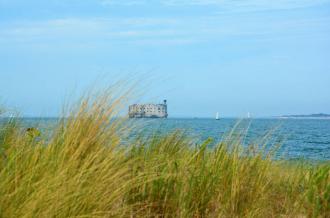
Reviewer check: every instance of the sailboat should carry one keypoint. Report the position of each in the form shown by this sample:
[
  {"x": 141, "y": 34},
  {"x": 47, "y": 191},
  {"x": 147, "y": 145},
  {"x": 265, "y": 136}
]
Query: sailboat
[
  {"x": 217, "y": 116},
  {"x": 248, "y": 115}
]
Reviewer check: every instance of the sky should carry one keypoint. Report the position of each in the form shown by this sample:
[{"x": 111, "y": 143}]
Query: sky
[{"x": 268, "y": 58}]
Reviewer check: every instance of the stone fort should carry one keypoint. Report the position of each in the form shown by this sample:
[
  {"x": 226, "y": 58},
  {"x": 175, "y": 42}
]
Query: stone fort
[{"x": 148, "y": 110}]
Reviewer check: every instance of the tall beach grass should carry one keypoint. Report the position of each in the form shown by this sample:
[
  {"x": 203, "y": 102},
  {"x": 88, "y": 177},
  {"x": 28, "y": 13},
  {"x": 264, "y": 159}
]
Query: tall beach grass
[{"x": 85, "y": 170}]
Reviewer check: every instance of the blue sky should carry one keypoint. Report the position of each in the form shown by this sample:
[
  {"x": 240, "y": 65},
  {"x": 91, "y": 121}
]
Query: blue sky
[{"x": 265, "y": 57}]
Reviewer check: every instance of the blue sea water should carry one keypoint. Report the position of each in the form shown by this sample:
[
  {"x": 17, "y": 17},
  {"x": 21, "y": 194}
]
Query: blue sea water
[{"x": 299, "y": 138}]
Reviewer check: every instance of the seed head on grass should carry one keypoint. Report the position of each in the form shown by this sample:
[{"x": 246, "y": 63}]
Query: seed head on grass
[{"x": 88, "y": 167}]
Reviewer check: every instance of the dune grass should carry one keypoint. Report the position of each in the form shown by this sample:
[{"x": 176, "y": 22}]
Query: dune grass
[{"x": 85, "y": 170}]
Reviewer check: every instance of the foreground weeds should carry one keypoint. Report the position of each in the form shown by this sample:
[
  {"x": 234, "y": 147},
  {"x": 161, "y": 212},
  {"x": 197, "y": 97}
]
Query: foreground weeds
[{"x": 85, "y": 170}]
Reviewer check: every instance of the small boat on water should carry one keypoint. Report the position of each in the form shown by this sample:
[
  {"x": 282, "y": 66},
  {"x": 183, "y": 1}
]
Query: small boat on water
[{"x": 217, "y": 116}]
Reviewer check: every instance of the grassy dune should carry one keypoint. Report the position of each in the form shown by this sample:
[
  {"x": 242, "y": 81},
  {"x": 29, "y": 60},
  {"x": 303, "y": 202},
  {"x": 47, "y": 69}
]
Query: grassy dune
[{"x": 84, "y": 170}]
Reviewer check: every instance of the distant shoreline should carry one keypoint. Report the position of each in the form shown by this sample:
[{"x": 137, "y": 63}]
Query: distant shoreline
[
  {"x": 294, "y": 117},
  {"x": 304, "y": 118},
  {"x": 309, "y": 116}
]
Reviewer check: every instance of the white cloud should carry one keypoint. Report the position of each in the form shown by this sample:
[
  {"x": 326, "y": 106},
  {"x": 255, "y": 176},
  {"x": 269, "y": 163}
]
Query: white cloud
[
  {"x": 122, "y": 2},
  {"x": 80, "y": 30},
  {"x": 175, "y": 30},
  {"x": 231, "y": 5}
]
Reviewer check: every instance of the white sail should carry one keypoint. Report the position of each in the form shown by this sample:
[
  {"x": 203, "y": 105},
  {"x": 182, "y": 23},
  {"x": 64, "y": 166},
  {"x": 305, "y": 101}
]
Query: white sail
[
  {"x": 248, "y": 115},
  {"x": 217, "y": 116}
]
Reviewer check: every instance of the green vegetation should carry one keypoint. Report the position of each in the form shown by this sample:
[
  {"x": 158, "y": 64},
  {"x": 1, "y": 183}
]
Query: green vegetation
[{"x": 84, "y": 170}]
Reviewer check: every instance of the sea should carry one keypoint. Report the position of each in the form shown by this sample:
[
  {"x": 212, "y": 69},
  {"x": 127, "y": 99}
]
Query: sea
[{"x": 307, "y": 139}]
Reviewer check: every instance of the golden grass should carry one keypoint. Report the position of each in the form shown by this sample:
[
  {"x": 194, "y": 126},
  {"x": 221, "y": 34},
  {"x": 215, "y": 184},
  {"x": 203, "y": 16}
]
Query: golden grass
[{"x": 84, "y": 170}]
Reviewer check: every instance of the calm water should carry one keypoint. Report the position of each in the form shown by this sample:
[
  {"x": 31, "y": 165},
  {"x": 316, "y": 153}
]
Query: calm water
[{"x": 300, "y": 138}]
